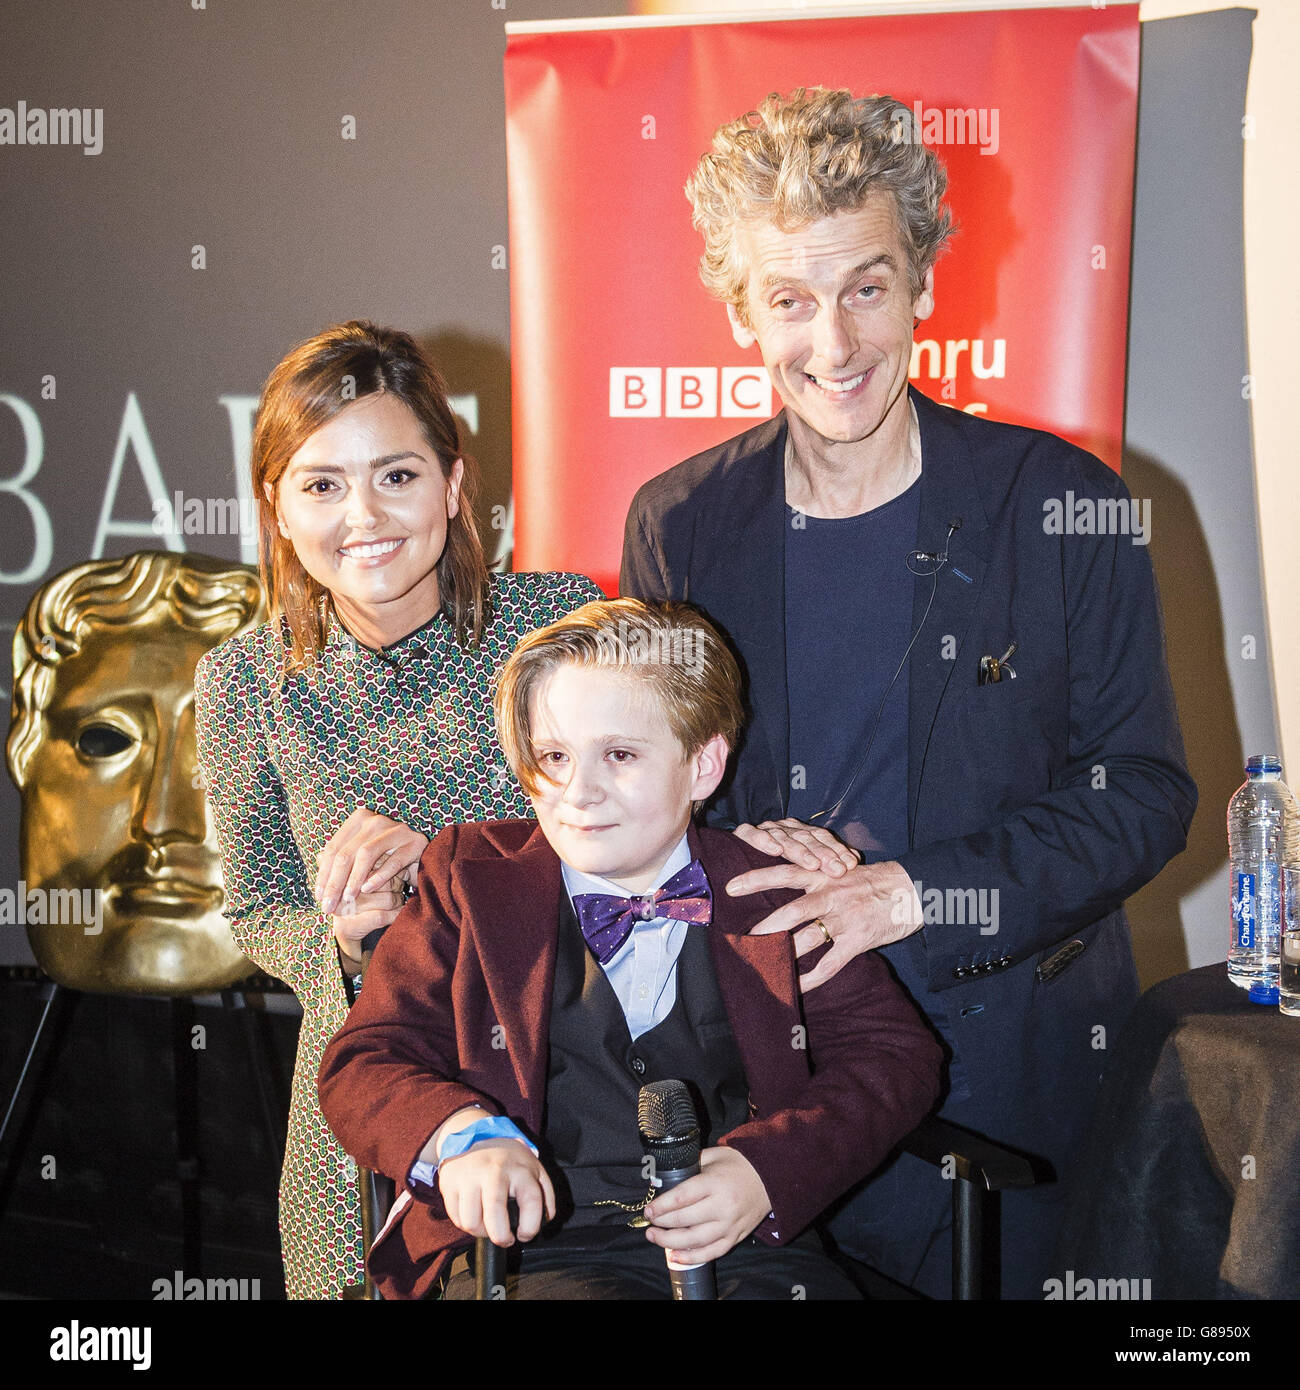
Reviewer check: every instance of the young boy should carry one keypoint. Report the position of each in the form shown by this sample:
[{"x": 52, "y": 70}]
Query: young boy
[{"x": 544, "y": 973}]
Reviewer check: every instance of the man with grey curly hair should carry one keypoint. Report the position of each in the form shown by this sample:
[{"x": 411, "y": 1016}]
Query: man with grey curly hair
[
  {"x": 822, "y": 195},
  {"x": 974, "y": 703},
  {"x": 796, "y": 161}
]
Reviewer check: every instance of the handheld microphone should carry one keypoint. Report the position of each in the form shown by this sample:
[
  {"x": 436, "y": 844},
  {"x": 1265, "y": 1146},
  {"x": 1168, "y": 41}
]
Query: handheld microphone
[{"x": 670, "y": 1132}]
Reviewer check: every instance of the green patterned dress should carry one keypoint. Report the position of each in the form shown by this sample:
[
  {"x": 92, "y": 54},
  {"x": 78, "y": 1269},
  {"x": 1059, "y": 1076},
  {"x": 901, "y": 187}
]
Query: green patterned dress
[{"x": 407, "y": 732}]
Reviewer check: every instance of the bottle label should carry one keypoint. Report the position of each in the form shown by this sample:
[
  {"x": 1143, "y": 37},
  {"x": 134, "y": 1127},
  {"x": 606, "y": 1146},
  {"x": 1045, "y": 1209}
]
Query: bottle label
[
  {"x": 1245, "y": 911},
  {"x": 1255, "y": 908}
]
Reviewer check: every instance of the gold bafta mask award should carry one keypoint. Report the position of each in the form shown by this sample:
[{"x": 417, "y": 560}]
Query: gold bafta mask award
[{"x": 121, "y": 868}]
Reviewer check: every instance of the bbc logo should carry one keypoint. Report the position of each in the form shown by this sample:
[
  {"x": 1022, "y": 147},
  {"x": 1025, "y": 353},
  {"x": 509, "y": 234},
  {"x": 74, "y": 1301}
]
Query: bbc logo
[{"x": 651, "y": 392}]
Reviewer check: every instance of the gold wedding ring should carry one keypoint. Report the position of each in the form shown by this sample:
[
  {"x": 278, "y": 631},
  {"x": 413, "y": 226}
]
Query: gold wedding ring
[{"x": 825, "y": 932}]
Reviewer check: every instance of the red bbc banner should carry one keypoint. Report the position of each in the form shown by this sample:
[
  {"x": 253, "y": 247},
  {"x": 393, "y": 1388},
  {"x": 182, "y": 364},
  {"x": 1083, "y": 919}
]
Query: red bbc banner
[{"x": 623, "y": 366}]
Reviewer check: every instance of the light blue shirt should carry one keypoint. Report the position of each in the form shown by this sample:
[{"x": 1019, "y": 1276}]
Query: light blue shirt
[{"x": 643, "y": 971}]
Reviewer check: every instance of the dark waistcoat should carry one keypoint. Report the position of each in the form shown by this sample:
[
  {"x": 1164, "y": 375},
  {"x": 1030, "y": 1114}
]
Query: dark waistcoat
[{"x": 595, "y": 1072}]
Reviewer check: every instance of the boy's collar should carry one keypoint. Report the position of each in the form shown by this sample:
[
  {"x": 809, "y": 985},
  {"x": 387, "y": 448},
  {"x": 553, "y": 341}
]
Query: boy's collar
[
  {"x": 516, "y": 877},
  {"x": 578, "y": 882}
]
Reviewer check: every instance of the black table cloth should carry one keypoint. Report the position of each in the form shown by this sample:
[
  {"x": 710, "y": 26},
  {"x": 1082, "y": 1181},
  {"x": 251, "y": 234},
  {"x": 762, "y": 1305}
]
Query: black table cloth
[{"x": 1191, "y": 1177}]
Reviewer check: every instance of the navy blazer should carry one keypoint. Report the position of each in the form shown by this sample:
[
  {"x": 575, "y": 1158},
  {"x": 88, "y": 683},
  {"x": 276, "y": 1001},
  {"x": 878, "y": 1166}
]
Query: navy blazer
[{"x": 1064, "y": 790}]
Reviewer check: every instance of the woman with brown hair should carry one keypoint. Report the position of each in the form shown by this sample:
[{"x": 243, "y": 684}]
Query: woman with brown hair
[{"x": 339, "y": 737}]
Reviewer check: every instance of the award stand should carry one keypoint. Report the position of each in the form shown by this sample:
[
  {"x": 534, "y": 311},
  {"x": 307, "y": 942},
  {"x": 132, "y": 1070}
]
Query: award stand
[{"x": 49, "y": 1041}]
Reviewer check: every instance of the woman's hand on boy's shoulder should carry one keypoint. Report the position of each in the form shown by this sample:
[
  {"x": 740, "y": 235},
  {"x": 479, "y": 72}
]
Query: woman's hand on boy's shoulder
[
  {"x": 363, "y": 853},
  {"x": 358, "y": 917}
]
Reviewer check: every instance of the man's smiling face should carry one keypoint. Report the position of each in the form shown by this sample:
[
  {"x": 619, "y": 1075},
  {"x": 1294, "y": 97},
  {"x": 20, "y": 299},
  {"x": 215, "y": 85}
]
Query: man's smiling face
[{"x": 831, "y": 309}]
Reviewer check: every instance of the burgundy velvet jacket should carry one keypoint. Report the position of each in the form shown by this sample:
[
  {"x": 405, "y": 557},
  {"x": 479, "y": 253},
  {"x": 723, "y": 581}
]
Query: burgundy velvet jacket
[{"x": 455, "y": 1011}]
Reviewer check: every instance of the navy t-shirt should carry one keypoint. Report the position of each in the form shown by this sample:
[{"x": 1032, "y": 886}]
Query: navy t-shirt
[{"x": 848, "y": 620}]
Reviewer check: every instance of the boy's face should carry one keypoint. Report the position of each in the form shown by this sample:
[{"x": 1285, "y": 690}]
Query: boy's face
[{"x": 617, "y": 785}]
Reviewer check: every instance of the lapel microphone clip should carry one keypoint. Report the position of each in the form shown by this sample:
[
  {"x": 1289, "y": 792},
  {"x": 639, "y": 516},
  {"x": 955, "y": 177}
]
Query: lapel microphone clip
[{"x": 930, "y": 557}]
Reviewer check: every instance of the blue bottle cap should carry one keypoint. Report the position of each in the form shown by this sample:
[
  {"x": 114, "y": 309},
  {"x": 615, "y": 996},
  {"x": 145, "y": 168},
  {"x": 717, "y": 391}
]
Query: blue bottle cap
[
  {"x": 1263, "y": 762},
  {"x": 1260, "y": 993}
]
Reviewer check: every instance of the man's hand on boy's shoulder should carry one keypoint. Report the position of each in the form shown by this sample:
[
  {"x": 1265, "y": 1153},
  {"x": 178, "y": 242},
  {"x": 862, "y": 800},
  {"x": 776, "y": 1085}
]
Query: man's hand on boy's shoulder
[
  {"x": 850, "y": 907},
  {"x": 709, "y": 1214},
  {"x": 805, "y": 846}
]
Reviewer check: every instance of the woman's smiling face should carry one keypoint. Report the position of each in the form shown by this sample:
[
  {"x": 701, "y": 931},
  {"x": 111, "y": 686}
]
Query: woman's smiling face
[{"x": 365, "y": 504}]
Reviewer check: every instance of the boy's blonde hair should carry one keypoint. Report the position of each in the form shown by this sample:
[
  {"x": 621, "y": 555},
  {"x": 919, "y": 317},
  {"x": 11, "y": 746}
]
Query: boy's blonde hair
[{"x": 670, "y": 648}]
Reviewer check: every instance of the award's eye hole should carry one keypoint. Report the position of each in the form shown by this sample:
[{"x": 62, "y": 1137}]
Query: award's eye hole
[{"x": 103, "y": 741}]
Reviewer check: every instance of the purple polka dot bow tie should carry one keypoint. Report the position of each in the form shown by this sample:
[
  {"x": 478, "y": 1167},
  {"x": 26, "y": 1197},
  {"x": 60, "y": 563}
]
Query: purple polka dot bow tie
[{"x": 607, "y": 920}]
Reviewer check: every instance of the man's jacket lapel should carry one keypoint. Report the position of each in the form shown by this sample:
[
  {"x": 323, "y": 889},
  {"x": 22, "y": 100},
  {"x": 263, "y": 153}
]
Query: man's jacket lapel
[{"x": 745, "y": 579}]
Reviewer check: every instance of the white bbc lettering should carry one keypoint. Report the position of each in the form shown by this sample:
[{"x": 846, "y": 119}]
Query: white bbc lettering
[
  {"x": 636, "y": 391},
  {"x": 677, "y": 392},
  {"x": 691, "y": 391},
  {"x": 746, "y": 392}
]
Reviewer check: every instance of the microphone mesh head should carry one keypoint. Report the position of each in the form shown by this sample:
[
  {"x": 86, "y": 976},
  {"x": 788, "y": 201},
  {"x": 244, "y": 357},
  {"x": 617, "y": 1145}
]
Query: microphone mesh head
[{"x": 665, "y": 1110}]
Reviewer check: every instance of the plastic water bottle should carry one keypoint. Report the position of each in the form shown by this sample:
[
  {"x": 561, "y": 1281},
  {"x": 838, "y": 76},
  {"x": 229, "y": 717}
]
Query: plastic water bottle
[{"x": 1263, "y": 835}]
